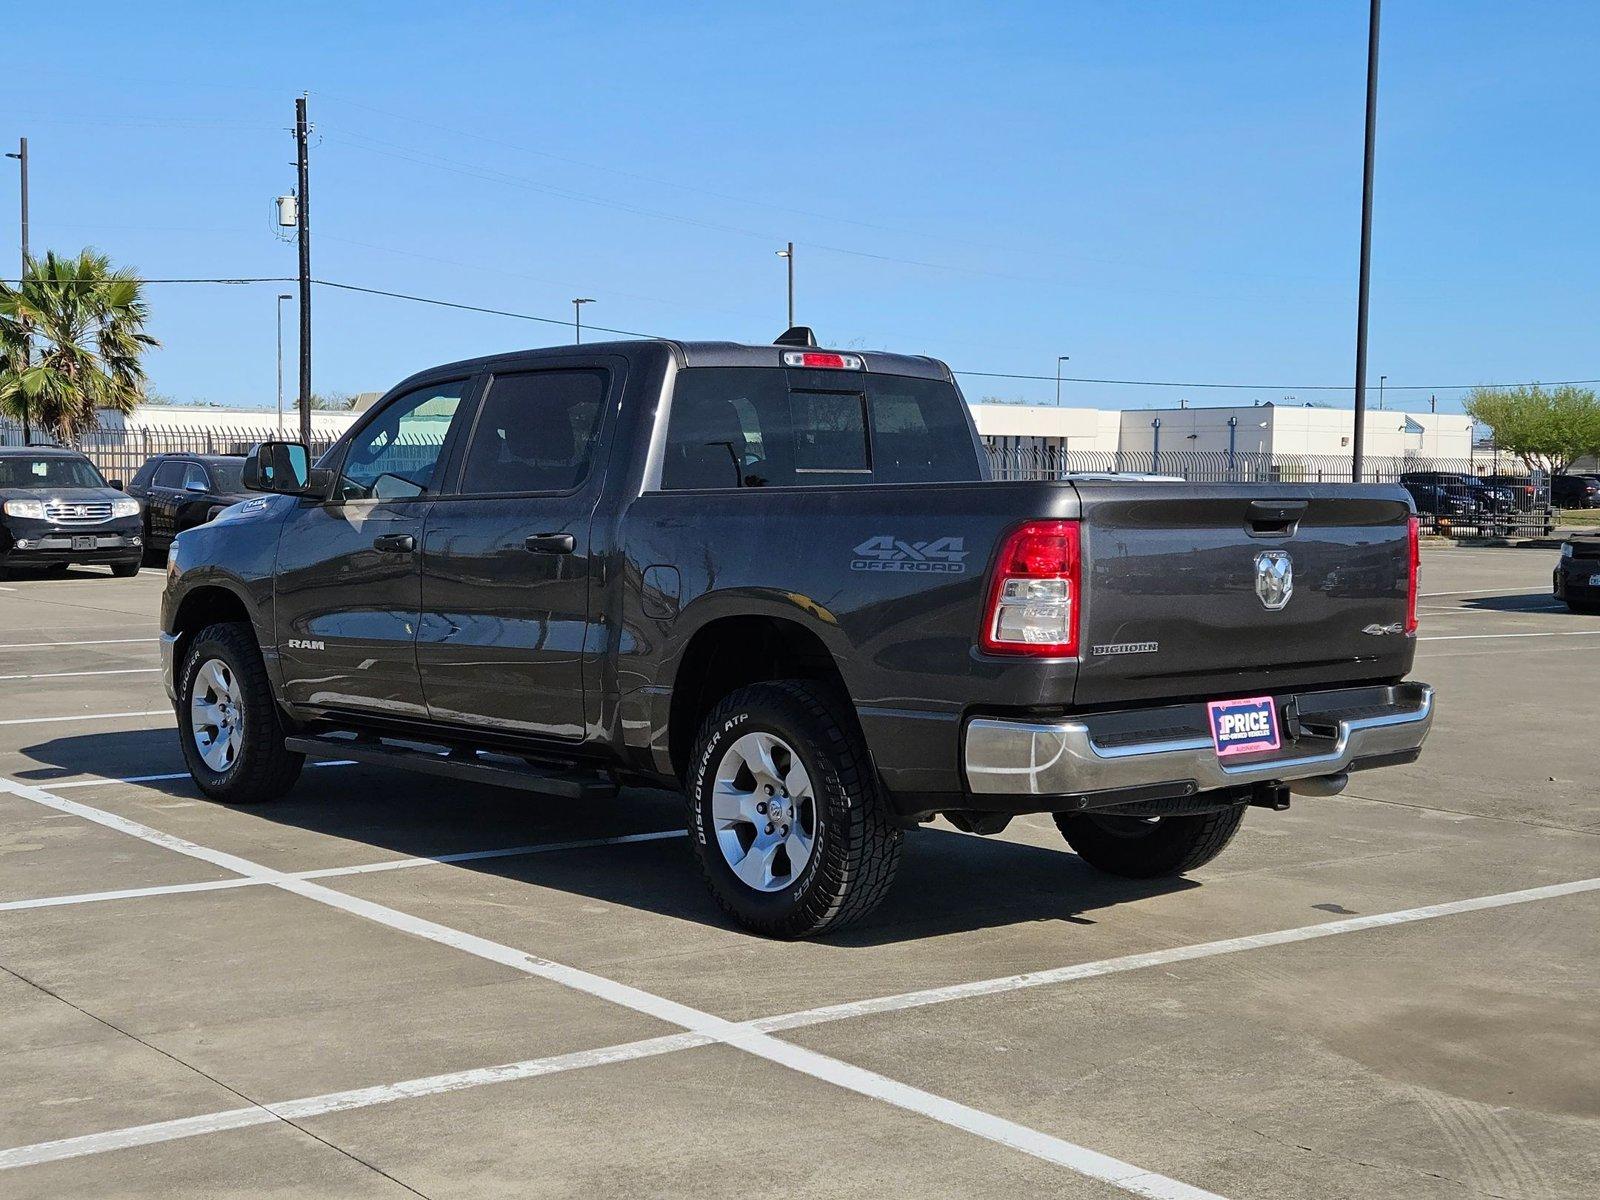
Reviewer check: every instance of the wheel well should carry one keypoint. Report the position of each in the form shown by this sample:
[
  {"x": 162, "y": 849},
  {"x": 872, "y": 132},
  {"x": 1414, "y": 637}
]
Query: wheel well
[
  {"x": 733, "y": 652},
  {"x": 206, "y": 606}
]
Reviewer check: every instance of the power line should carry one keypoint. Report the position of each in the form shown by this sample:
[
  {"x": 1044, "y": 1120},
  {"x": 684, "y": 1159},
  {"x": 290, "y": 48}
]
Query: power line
[{"x": 1162, "y": 383}]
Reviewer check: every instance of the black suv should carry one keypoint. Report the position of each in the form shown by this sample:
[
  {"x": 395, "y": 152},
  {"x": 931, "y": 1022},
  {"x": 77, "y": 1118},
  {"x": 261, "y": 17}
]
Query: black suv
[
  {"x": 1575, "y": 491},
  {"x": 56, "y": 509},
  {"x": 181, "y": 491}
]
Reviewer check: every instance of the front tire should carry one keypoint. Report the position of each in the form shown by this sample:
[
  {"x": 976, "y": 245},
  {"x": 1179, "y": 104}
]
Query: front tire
[
  {"x": 791, "y": 831},
  {"x": 228, "y": 720},
  {"x": 1150, "y": 847}
]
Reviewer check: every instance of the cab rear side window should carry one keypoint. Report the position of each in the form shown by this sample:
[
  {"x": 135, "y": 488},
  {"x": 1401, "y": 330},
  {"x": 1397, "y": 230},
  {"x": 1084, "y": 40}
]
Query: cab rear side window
[
  {"x": 535, "y": 433},
  {"x": 733, "y": 427}
]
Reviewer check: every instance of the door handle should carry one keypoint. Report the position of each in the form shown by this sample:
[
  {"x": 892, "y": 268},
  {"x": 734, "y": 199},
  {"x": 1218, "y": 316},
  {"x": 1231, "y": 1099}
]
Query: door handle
[
  {"x": 395, "y": 543},
  {"x": 550, "y": 543}
]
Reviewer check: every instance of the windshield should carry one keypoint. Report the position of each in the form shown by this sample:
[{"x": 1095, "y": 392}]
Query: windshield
[
  {"x": 49, "y": 471},
  {"x": 229, "y": 475}
]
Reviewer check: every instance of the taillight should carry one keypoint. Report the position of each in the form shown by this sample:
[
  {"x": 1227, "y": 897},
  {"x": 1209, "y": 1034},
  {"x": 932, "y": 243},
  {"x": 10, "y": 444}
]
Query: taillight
[
  {"x": 1413, "y": 570},
  {"x": 1035, "y": 596}
]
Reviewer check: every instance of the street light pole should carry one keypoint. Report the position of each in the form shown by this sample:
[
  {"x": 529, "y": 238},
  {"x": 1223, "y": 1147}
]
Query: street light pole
[
  {"x": 27, "y": 346},
  {"x": 1382, "y": 379},
  {"x": 789, "y": 255},
  {"x": 282, "y": 296},
  {"x": 577, "y": 317},
  {"x": 1059, "y": 360},
  {"x": 303, "y": 220},
  {"x": 1359, "y": 441}
]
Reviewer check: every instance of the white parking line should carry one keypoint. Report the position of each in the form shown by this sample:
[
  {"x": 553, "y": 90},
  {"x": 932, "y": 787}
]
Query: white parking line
[
  {"x": 1079, "y": 1159},
  {"x": 68, "y": 674},
  {"x": 1473, "y": 637},
  {"x": 144, "y": 712},
  {"x": 99, "y": 642},
  {"x": 106, "y": 780},
  {"x": 164, "y": 1131},
  {"x": 1477, "y": 592},
  {"x": 388, "y": 864}
]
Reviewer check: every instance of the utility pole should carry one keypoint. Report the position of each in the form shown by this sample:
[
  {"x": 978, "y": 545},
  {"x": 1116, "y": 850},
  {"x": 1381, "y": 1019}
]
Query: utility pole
[
  {"x": 27, "y": 346},
  {"x": 1359, "y": 441},
  {"x": 577, "y": 317},
  {"x": 282, "y": 296},
  {"x": 1063, "y": 358},
  {"x": 789, "y": 255},
  {"x": 303, "y": 229}
]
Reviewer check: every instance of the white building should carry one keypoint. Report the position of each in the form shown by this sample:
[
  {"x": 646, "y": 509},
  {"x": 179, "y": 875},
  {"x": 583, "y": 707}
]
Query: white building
[
  {"x": 225, "y": 421},
  {"x": 1034, "y": 426},
  {"x": 1296, "y": 432}
]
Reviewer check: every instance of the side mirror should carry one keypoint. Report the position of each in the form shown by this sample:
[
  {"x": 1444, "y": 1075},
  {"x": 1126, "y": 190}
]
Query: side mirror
[
  {"x": 115, "y": 483},
  {"x": 191, "y": 486},
  {"x": 283, "y": 468}
]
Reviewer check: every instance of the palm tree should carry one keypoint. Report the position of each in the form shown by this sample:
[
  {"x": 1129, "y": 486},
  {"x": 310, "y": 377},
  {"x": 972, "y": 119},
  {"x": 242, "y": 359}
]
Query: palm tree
[{"x": 71, "y": 334}]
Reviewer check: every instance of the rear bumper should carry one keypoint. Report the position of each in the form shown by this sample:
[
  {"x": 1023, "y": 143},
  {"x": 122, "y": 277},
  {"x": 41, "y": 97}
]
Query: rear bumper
[
  {"x": 1092, "y": 759},
  {"x": 1572, "y": 576}
]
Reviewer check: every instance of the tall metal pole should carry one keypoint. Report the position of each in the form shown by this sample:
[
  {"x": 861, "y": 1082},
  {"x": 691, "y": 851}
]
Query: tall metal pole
[
  {"x": 1061, "y": 359},
  {"x": 27, "y": 347},
  {"x": 788, "y": 255},
  {"x": 303, "y": 225},
  {"x": 577, "y": 317},
  {"x": 282, "y": 296},
  {"x": 1382, "y": 379},
  {"x": 1358, "y": 442}
]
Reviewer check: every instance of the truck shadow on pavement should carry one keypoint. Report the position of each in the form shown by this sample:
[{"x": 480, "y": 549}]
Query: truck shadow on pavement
[
  {"x": 949, "y": 882},
  {"x": 1515, "y": 602}
]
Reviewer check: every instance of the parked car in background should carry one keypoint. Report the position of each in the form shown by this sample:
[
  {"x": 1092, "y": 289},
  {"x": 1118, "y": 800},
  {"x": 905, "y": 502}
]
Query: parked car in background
[
  {"x": 1575, "y": 491},
  {"x": 181, "y": 491},
  {"x": 1577, "y": 573},
  {"x": 1454, "y": 494},
  {"x": 1518, "y": 491},
  {"x": 56, "y": 509}
]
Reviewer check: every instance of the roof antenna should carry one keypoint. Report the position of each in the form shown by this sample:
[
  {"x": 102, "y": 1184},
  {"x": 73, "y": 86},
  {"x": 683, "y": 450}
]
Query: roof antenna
[{"x": 796, "y": 335}]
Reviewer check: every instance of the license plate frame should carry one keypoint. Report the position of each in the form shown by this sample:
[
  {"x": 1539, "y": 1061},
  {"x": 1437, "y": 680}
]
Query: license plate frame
[
  {"x": 1244, "y": 726},
  {"x": 83, "y": 541}
]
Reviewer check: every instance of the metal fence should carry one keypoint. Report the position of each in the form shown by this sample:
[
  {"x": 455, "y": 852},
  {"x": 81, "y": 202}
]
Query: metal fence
[
  {"x": 1493, "y": 496},
  {"x": 119, "y": 453}
]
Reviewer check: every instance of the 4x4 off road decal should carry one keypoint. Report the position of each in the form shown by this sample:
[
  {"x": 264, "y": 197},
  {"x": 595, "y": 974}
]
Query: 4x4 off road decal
[{"x": 941, "y": 556}]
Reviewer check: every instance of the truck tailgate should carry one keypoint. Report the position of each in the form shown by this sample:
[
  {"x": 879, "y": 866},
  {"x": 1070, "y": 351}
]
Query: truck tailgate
[{"x": 1228, "y": 589}]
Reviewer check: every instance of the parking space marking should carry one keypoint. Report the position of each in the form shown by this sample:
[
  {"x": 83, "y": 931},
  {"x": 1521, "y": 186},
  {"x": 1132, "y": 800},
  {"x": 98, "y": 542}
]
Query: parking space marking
[
  {"x": 331, "y": 1102},
  {"x": 1080, "y": 1159},
  {"x": 144, "y": 712},
  {"x": 389, "y": 864},
  {"x": 1472, "y": 637},
  {"x": 1052, "y": 1149},
  {"x": 98, "y": 642},
  {"x": 71, "y": 674},
  {"x": 105, "y": 780}
]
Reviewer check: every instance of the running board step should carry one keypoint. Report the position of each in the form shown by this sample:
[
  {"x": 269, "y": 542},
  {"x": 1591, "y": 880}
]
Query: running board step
[{"x": 501, "y": 771}]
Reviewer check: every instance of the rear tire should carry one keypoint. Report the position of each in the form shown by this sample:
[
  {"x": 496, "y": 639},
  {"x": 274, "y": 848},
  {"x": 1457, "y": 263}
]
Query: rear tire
[
  {"x": 126, "y": 570},
  {"x": 231, "y": 736},
  {"x": 833, "y": 848},
  {"x": 1150, "y": 847}
]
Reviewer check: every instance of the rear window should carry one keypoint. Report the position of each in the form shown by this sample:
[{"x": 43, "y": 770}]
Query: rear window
[
  {"x": 229, "y": 475},
  {"x": 769, "y": 427},
  {"x": 48, "y": 471}
]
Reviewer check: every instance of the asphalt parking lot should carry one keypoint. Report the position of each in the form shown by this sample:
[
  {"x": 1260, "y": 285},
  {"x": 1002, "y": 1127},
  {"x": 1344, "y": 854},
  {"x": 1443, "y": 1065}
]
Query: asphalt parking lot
[{"x": 389, "y": 984}]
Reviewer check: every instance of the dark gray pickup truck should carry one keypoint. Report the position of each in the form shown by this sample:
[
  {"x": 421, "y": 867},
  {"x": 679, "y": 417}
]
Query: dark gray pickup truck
[{"x": 780, "y": 579}]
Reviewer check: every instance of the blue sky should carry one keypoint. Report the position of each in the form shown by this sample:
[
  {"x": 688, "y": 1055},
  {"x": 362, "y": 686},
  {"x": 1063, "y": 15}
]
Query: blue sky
[{"x": 1161, "y": 191}]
